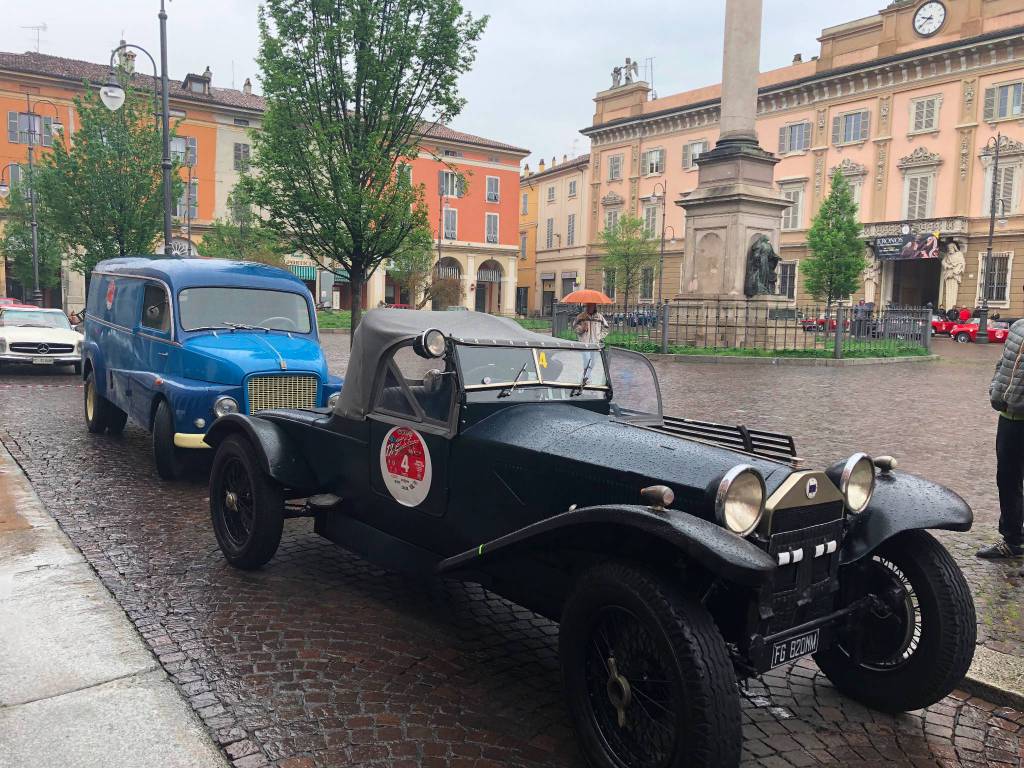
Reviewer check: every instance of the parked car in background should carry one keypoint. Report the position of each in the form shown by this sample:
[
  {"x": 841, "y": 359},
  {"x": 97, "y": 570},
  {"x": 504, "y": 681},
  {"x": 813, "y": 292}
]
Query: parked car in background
[
  {"x": 9, "y": 302},
  {"x": 33, "y": 336},
  {"x": 941, "y": 326},
  {"x": 965, "y": 333},
  {"x": 175, "y": 343},
  {"x": 678, "y": 555}
]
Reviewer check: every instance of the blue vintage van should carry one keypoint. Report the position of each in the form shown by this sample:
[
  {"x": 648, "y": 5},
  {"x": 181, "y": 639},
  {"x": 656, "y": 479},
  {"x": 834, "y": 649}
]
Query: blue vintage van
[{"x": 175, "y": 343}]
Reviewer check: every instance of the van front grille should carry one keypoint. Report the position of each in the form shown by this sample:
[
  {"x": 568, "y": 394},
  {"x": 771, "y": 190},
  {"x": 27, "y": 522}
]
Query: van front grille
[{"x": 286, "y": 391}]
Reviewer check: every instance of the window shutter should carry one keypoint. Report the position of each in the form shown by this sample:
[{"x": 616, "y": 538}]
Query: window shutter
[
  {"x": 687, "y": 156},
  {"x": 912, "y": 197},
  {"x": 805, "y": 142},
  {"x": 1006, "y": 189},
  {"x": 460, "y": 186},
  {"x": 440, "y": 182},
  {"x": 12, "y": 127},
  {"x": 836, "y": 127},
  {"x": 865, "y": 126},
  {"x": 990, "y": 104},
  {"x": 783, "y": 149}
]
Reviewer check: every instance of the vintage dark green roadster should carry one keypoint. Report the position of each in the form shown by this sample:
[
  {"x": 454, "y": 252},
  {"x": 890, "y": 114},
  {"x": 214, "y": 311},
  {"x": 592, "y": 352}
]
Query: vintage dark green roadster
[{"x": 678, "y": 556}]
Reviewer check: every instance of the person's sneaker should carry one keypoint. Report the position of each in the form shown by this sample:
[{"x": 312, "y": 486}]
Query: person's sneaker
[{"x": 1001, "y": 551}]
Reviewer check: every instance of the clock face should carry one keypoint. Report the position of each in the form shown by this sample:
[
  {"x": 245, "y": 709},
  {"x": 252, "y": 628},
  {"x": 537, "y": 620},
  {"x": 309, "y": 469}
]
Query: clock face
[{"x": 929, "y": 18}]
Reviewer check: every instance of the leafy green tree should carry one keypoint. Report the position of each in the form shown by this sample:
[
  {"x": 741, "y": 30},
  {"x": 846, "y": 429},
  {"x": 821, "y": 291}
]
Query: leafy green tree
[
  {"x": 101, "y": 190},
  {"x": 412, "y": 268},
  {"x": 628, "y": 250},
  {"x": 16, "y": 244},
  {"x": 350, "y": 87},
  {"x": 833, "y": 270},
  {"x": 243, "y": 236}
]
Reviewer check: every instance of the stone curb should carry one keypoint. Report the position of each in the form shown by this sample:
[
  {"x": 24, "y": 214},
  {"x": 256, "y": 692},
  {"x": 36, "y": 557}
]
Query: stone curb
[
  {"x": 334, "y": 330},
  {"x": 814, "y": 362},
  {"x": 996, "y": 677}
]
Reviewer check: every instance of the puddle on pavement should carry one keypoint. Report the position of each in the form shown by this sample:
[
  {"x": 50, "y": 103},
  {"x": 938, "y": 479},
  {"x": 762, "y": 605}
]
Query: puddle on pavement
[{"x": 10, "y": 520}]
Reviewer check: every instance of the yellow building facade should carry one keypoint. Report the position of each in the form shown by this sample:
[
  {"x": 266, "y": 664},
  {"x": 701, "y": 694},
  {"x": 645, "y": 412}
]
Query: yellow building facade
[{"x": 526, "y": 289}]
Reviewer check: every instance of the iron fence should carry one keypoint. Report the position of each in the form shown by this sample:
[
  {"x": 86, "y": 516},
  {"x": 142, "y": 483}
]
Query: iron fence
[{"x": 761, "y": 328}]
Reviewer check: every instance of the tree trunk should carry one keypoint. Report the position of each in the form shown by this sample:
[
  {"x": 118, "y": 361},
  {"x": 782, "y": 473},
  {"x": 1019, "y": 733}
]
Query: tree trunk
[{"x": 355, "y": 284}]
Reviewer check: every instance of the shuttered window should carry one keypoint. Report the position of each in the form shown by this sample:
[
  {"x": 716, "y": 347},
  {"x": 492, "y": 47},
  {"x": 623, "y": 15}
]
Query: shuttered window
[
  {"x": 551, "y": 194},
  {"x": 786, "y": 284},
  {"x": 1004, "y": 101},
  {"x": 526, "y": 203},
  {"x": 21, "y": 124},
  {"x": 493, "y": 187},
  {"x": 692, "y": 151},
  {"x": 794, "y": 138},
  {"x": 491, "y": 225},
  {"x": 651, "y": 219},
  {"x": 451, "y": 224},
  {"x": 919, "y": 196},
  {"x": 549, "y": 235},
  {"x": 924, "y": 115},
  {"x": 647, "y": 284},
  {"x": 851, "y": 127},
  {"x": 572, "y": 188},
  {"x": 450, "y": 184},
  {"x": 188, "y": 202},
  {"x": 614, "y": 167},
  {"x": 570, "y": 230},
  {"x": 1007, "y": 192},
  {"x": 522, "y": 245},
  {"x": 241, "y": 157},
  {"x": 184, "y": 149},
  {"x": 793, "y": 216},
  {"x": 653, "y": 162},
  {"x": 611, "y": 219}
]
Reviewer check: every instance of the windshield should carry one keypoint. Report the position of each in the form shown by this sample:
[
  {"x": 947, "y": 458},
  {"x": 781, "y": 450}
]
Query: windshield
[
  {"x": 523, "y": 367},
  {"x": 34, "y": 318},
  {"x": 245, "y": 308}
]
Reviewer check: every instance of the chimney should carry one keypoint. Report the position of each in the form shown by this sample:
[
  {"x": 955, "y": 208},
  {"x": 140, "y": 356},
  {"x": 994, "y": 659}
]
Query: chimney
[
  {"x": 797, "y": 58},
  {"x": 247, "y": 87},
  {"x": 540, "y": 166},
  {"x": 554, "y": 161},
  {"x": 526, "y": 169},
  {"x": 565, "y": 158}
]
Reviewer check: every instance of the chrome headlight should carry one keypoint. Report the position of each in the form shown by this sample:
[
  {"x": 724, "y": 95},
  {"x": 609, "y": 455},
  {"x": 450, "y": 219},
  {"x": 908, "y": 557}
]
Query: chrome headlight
[
  {"x": 224, "y": 405},
  {"x": 332, "y": 401},
  {"x": 857, "y": 482},
  {"x": 429, "y": 344},
  {"x": 739, "y": 502},
  {"x": 78, "y": 347}
]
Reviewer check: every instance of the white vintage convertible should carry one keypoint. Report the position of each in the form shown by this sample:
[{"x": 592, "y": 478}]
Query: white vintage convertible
[{"x": 33, "y": 336}]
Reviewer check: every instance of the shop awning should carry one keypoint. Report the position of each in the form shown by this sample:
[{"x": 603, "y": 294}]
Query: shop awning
[{"x": 303, "y": 272}]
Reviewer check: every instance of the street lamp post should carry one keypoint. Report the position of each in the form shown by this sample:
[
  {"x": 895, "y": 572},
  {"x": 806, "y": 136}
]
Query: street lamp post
[
  {"x": 37, "y": 294},
  {"x": 661, "y": 254},
  {"x": 982, "y": 337},
  {"x": 112, "y": 95}
]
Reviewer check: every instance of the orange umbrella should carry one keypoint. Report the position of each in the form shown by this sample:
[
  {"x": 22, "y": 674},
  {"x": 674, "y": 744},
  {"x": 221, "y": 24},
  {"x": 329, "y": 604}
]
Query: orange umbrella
[{"x": 586, "y": 296}]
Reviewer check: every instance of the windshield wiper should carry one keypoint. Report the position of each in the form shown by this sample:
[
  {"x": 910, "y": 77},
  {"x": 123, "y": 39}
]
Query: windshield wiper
[
  {"x": 210, "y": 328},
  {"x": 246, "y": 327},
  {"x": 584, "y": 380},
  {"x": 515, "y": 382}
]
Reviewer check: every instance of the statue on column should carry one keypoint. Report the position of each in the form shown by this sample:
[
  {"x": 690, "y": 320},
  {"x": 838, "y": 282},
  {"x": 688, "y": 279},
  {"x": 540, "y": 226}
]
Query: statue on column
[
  {"x": 762, "y": 262},
  {"x": 872, "y": 279},
  {"x": 953, "y": 265}
]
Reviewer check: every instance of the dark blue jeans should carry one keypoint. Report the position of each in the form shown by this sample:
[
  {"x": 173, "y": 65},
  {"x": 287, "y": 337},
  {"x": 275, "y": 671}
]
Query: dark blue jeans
[{"x": 1010, "y": 479}]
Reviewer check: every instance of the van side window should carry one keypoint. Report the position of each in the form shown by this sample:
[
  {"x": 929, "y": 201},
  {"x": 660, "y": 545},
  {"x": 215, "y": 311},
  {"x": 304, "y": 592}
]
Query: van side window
[{"x": 155, "y": 311}]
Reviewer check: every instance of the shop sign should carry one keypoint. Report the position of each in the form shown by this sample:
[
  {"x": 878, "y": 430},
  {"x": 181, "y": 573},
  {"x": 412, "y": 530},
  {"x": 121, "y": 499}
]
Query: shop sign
[{"x": 907, "y": 245}]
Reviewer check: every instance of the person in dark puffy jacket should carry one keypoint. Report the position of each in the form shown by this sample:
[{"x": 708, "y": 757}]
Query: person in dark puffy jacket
[{"x": 1006, "y": 393}]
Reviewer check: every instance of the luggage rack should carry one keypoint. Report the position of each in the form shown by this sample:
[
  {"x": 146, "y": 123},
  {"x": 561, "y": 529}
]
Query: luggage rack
[{"x": 772, "y": 445}]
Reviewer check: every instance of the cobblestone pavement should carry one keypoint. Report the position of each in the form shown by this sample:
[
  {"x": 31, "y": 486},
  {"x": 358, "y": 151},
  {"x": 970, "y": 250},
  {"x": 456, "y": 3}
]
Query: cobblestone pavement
[{"x": 323, "y": 660}]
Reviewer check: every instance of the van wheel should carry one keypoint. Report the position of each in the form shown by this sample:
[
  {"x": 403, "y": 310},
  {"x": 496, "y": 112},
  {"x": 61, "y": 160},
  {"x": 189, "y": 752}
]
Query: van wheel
[
  {"x": 647, "y": 676},
  {"x": 246, "y": 505},
  {"x": 170, "y": 460},
  {"x": 101, "y": 415}
]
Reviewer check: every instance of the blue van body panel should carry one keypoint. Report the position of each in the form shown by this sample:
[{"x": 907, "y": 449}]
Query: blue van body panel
[{"x": 135, "y": 367}]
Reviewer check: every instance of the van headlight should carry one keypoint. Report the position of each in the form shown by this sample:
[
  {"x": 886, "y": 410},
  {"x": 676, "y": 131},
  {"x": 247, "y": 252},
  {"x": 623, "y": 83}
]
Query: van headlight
[
  {"x": 739, "y": 501},
  {"x": 856, "y": 481},
  {"x": 332, "y": 401},
  {"x": 224, "y": 405}
]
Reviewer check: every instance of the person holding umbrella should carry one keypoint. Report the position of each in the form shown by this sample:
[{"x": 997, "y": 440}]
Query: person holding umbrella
[{"x": 590, "y": 325}]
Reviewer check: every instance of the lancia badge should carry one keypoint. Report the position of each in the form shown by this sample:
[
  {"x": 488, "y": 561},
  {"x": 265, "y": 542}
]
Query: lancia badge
[{"x": 812, "y": 487}]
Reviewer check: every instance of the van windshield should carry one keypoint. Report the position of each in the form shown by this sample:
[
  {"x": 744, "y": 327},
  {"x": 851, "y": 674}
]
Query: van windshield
[{"x": 243, "y": 308}]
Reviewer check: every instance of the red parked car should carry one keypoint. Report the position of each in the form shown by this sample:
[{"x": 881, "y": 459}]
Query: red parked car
[
  {"x": 965, "y": 333},
  {"x": 5, "y": 302},
  {"x": 941, "y": 326}
]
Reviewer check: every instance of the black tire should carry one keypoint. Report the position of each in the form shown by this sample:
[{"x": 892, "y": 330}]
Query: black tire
[
  {"x": 170, "y": 460},
  {"x": 246, "y": 505},
  {"x": 671, "y": 645},
  {"x": 910, "y": 665},
  {"x": 101, "y": 415},
  {"x": 963, "y": 337}
]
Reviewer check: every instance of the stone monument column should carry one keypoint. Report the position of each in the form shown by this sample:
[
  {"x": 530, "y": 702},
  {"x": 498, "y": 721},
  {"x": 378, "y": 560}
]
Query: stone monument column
[{"x": 736, "y": 200}]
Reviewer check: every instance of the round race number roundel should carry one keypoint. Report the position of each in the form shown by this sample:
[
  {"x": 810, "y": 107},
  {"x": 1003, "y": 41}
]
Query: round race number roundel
[{"x": 405, "y": 466}]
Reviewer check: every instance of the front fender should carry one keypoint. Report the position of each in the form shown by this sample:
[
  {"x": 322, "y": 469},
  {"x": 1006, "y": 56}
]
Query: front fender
[
  {"x": 903, "y": 502},
  {"x": 278, "y": 453},
  {"x": 721, "y": 552}
]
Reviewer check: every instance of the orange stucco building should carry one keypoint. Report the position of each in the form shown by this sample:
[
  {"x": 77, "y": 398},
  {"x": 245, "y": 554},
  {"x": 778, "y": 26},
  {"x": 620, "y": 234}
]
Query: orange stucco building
[
  {"x": 212, "y": 127},
  {"x": 906, "y": 112}
]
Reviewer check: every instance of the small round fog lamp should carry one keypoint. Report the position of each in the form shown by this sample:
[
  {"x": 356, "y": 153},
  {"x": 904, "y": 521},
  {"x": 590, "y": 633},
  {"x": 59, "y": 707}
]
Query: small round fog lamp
[{"x": 224, "y": 405}]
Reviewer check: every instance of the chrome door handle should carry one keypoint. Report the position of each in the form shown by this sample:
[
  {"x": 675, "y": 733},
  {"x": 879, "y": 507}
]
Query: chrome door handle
[{"x": 162, "y": 354}]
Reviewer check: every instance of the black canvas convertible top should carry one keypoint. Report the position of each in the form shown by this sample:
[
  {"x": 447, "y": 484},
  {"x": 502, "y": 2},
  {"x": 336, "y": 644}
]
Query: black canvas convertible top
[{"x": 381, "y": 329}]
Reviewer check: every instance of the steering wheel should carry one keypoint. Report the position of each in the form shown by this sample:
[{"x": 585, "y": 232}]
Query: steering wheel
[{"x": 268, "y": 320}]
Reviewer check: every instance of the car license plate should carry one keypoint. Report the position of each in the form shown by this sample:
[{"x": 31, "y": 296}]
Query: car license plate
[
  {"x": 785, "y": 651},
  {"x": 42, "y": 361}
]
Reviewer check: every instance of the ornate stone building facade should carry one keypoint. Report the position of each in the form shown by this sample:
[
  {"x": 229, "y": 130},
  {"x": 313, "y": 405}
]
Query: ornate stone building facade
[{"x": 907, "y": 113}]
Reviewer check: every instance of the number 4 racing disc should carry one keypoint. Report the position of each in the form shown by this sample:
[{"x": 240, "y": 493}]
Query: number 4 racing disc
[{"x": 405, "y": 466}]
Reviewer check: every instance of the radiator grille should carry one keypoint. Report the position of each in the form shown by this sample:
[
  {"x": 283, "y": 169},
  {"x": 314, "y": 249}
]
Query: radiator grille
[
  {"x": 33, "y": 348},
  {"x": 288, "y": 391}
]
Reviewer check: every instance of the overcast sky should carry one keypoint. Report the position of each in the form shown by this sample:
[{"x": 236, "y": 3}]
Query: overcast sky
[{"x": 539, "y": 65}]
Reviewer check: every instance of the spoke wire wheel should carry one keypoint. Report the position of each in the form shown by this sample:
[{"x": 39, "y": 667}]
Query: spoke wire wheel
[
  {"x": 633, "y": 702},
  {"x": 236, "y": 503},
  {"x": 90, "y": 399},
  {"x": 892, "y": 633}
]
